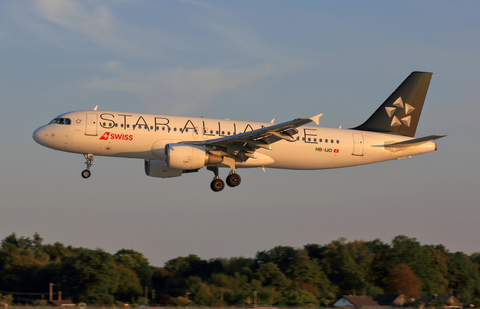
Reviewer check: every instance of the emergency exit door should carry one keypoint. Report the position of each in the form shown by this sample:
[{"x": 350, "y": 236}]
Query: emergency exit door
[
  {"x": 91, "y": 124},
  {"x": 357, "y": 144}
]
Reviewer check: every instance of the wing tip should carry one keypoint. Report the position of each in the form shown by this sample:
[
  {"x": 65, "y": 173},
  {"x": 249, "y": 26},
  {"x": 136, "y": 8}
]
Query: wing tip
[{"x": 316, "y": 119}]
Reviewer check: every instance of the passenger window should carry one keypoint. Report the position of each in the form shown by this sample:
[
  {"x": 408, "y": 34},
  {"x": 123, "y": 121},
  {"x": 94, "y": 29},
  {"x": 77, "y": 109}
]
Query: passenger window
[
  {"x": 331, "y": 141},
  {"x": 175, "y": 129},
  {"x": 326, "y": 140},
  {"x": 319, "y": 140},
  {"x": 151, "y": 128},
  {"x": 338, "y": 142}
]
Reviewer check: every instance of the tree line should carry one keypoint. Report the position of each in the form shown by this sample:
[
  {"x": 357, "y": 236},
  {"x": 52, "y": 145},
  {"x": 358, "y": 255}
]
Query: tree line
[{"x": 284, "y": 276}]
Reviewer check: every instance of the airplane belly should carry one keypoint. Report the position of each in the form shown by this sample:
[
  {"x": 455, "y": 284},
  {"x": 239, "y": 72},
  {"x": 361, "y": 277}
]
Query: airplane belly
[{"x": 305, "y": 156}]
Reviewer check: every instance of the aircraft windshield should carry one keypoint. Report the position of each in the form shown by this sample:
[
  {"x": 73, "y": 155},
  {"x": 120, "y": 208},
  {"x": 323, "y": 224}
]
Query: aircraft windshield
[{"x": 61, "y": 121}]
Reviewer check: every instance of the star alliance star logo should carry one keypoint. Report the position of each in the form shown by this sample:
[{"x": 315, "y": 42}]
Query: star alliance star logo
[
  {"x": 408, "y": 110},
  {"x": 79, "y": 121}
]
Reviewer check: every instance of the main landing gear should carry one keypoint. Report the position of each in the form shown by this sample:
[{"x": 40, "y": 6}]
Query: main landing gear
[
  {"x": 89, "y": 159},
  {"x": 218, "y": 185}
]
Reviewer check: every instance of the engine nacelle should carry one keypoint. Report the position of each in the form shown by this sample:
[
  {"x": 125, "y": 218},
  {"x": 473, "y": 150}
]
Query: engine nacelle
[
  {"x": 157, "y": 168},
  {"x": 188, "y": 157}
]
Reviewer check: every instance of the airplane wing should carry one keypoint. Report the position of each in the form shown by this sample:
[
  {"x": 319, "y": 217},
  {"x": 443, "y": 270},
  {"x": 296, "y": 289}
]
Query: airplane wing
[{"x": 244, "y": 145}]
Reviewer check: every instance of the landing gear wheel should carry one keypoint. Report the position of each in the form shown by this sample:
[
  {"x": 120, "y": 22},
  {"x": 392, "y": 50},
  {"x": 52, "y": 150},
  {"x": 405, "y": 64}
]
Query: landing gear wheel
[
  {"x": 89, "y": 159},
  {"x": 217, "y": 185},
  {"x": 233, "y": 180},
  {"x": 86, "y": 174}
]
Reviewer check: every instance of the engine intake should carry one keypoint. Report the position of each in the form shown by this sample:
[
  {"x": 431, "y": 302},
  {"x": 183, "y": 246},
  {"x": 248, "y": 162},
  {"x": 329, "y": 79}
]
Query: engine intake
[{"x": 188, "y": 157}]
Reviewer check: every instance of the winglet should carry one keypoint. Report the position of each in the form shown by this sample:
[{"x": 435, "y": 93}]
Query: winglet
[
  {"x": 316, "y": 119},
  {"x": 95, "y": 108}
]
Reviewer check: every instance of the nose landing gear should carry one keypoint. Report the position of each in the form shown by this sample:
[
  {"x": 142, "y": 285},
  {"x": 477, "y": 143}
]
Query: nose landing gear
[{"x": 89, "y": 159}]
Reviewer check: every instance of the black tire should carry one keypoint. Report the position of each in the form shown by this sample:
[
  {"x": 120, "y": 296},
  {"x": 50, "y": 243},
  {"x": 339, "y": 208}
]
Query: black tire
[
  {"x": 217, "y": 185},
  {"x": 233, "y": 180},
  {"x": 86, "y": 174}
]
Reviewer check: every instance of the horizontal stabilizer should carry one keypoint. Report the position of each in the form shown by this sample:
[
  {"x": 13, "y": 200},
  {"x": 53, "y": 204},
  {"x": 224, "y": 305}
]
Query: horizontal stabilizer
[{"x": 415, "y": 141}]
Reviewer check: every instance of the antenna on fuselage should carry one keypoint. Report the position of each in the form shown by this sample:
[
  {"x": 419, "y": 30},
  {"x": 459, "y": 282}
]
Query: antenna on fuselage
[{"x": 95, "y": 108}]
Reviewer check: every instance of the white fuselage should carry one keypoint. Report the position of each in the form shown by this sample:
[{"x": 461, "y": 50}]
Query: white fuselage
[{"x": 144, "y": 136}]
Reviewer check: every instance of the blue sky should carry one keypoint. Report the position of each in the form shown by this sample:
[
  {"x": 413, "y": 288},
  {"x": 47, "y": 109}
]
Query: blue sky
[{"x": 246, "y": 60}]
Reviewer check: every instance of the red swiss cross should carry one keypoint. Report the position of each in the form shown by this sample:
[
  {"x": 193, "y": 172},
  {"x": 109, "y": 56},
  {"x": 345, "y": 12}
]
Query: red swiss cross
[{"x": 105, "y": 136}]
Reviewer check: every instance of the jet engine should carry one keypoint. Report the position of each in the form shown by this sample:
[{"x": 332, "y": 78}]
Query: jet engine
[
  {"x": 188, "y": 157},
  {"x": 157, "y": 168}
]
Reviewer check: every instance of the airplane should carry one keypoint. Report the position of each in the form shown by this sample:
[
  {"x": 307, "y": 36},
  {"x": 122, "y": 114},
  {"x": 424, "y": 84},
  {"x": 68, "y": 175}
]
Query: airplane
[{"x": 174, "y": 145}]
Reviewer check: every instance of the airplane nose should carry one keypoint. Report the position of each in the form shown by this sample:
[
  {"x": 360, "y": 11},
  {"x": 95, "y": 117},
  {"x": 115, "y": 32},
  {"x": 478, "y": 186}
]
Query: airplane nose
[{"x": 38, "y": 135}]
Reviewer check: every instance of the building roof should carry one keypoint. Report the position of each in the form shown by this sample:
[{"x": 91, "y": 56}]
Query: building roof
[
  {"x": 386, "y": 299},
  {"x": 360, "y": 300},
  {"x": 447, "y": 300}
]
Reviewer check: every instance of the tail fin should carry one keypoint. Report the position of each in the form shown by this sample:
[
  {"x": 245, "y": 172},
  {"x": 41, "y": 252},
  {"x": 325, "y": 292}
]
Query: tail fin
[{"x": 400, "y": 113}]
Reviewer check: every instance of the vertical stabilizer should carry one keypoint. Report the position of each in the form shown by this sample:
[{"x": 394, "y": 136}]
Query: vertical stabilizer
[{"x": 400, "y": 113}]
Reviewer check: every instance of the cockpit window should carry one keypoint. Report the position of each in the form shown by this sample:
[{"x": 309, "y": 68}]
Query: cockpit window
[{"x": 61, "y": 121}]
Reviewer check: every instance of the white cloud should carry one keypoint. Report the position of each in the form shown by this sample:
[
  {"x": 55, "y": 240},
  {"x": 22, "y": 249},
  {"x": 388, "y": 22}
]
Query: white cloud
[
  {"x": 92, "y": 20},
  {"x": 95, "y": 22},
  {"x": 112, "y": 65},
  {"x": 180, "y": 90}
]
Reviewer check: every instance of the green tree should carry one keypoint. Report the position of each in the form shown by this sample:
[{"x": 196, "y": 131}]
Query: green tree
[
  {"x": 466, "y": 280},
  {"x": 440, "y": 260},
  {"x": 342, "y": 269},
  {"x": 201, "y": 293},
  {"x": 311, "y": 278},
  {"x": 298, "y": 297},
  {"x": 137, "y": 262},
  {"x": 269, "y": 274},
  {"x": 282, "y": 256},
  {"x": 57, "y": 250},
  {"x": 20, "y": 261},
  {"x": 410, "y": 252},
  {"x": 382, "y": 263},
  {"x": 93, "y": 273},
  {"x": 128, "y": 284}
]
